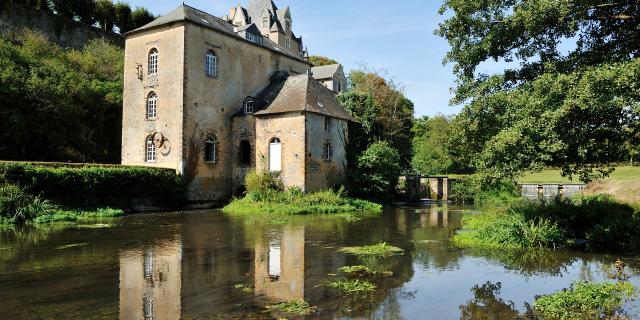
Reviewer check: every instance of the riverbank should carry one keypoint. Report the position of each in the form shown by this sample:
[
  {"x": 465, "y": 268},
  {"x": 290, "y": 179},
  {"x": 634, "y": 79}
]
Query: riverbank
[
  {"x": 623, "y": 184},
  {"x": 592, "y": 222}
]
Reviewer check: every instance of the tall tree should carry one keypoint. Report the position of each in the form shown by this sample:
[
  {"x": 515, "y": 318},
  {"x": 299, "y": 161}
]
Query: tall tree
[
  {"x": 141, "y": 16},
  {"x": 388, "y": 114},
  {"x": 124, "y": 18},
  {"x": 568, "y": 100},
  {"x": 105, "y": 14}
]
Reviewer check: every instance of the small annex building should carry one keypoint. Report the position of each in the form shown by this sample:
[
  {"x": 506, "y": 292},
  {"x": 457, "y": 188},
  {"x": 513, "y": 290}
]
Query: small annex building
[
  {"x": 214, "y": 98},
  {"x": 331, "y": 76}
]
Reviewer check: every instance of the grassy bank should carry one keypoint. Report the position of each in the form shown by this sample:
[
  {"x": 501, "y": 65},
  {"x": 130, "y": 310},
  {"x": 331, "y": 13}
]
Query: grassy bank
[
  {"x": 594, "y": 222},
  {"x": 17, "y": 206},
  {"x": 266, "y": 195}
]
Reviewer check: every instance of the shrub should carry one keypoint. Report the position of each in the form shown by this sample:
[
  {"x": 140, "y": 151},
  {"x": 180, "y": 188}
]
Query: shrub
[
  {"x": 260, "y": 184},
  {"x": 96, "y": 185},
  {"x": 585, "y": 300},
  {"x": 18, "y": 206}
]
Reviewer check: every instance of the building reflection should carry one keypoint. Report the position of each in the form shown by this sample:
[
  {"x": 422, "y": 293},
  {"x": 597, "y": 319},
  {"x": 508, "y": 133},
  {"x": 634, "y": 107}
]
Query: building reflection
[
  {"x": 279, "y": 264},
  {"x": 150, "y": 281}
]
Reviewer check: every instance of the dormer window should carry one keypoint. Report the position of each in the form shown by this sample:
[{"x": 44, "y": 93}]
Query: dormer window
[
  {"x": 288, "y": 25},
  {"x": 287, "y": 43},
  {"x": 265, "y": 22},
  {"x": 248, "y": 107}
]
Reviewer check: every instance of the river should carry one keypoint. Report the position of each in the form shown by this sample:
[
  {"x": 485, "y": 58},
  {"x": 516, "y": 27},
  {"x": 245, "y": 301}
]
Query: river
[{"x": 194, "y": 265}]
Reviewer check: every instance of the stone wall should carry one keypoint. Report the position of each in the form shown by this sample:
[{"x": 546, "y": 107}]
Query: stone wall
[
  {"x": 322, "y": 173},
  {"x": 66, "y": 32}
]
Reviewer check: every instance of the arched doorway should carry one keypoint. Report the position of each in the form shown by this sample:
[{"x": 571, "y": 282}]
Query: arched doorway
[{"x": 275, "y": 155}]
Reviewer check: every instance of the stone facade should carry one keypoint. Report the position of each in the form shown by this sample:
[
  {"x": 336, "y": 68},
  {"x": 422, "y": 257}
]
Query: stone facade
[{"x": 200, "y": 125}]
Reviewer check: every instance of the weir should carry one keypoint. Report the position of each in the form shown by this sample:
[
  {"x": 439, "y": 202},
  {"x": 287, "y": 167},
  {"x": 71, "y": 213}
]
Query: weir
[{"x": 550, "y": 190}]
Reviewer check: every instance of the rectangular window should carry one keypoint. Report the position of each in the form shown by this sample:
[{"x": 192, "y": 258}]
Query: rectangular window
[
  {"x": 151, "y": 151},
  {"x": 328, "y": 152},
  {"x": 211, "y": 67},
  {"x": 265, "y": 22},
  {"x": 327, "y": 124},
  {"x": 210, "y": 151},
  {"x": 287, "y": 42},
  {"x": 248, "y": 107},
  {"x": 153, "y": 62}
]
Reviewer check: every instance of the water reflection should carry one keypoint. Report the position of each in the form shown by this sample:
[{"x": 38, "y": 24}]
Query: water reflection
[
  {"x": 279, "y": 264},
  {"x": 150, "y": 281},
  {"x": 190, "y": 266}
]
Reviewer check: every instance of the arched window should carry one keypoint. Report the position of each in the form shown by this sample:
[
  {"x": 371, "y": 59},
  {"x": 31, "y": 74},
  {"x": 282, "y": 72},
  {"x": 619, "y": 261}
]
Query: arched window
[
  {"x": 245, "y": 153},
  {"x": 152, "y": 105},
  {"x": 153, "y": 61},
  {"x": 211, "y": 64},
  {"x": 275, "y": 155},
  {"x": 210, "y": 150},
  {"x": 328, "y": 152},
  {"x": 150, "y": 148}
]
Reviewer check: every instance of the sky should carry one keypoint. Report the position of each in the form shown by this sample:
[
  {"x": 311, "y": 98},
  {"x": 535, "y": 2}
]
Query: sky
[{"x": 392, "y": 37}]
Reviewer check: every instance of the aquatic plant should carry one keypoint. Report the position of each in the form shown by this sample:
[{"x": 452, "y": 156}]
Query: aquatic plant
[
  {"x": 378, "y": 249},
  {"x": 60, "y": 215},
  {"x": 297, "y": 307},
  {"x": 18, "y": 206},
  {"x": 352, "y": 287},
  {"x": 585, "y": 300}
]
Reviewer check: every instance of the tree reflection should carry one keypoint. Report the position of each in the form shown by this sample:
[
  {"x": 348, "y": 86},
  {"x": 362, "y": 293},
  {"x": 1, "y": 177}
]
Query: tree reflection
[{"x": 487, "y": 305}]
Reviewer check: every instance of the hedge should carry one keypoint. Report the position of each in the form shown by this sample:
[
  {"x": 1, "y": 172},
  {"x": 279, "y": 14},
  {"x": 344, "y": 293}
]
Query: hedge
[{"x": 94, "y": 185}]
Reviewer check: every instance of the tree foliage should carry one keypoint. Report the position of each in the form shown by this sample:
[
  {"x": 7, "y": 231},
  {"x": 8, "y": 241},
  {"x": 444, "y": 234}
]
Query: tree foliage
[
  {"x": 105, "y": 13},
  {"x": 377, "y": 172},
  {"x": 430, "y": 145},
  {"x": 318, "y": 61},
  {"x": 571, "y": 98},
  {"x": 60, "y": 105}
]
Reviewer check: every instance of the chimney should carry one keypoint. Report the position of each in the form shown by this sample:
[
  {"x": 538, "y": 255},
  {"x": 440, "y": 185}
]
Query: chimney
[{"x": 232, "y": 12}]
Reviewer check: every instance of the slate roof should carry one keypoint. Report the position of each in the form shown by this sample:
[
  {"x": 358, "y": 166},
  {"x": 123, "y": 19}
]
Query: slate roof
[
  {"x": 325, "y": 72},
  {"x": 201, "y": 18},
  {"x": 303, "y": 93},
  {"x": 257, "y": 7}
]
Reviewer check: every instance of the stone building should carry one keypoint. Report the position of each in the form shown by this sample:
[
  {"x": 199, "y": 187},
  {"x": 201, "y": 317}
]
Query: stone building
[
  {"x": 215, "y": 98},
  {"x": 331, "y": 76}
]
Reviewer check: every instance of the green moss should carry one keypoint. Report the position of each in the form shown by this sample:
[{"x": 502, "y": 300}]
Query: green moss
[
  {"x": 378, "y": 249},
  {"x": 586, "y": 300},
  {"x": 352, "y": 287},
  {"x": 294, "y": 307}
]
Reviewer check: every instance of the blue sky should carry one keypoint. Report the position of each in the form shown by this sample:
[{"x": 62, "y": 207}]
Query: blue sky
[{"x": 396, "y": 37}]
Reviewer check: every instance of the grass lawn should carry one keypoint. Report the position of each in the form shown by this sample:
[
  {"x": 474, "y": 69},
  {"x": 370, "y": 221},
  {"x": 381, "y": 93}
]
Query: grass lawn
[{"x": 621, "y": 174}]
